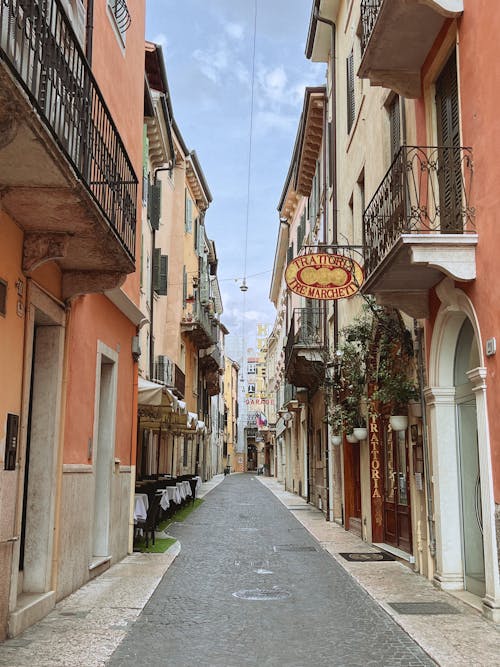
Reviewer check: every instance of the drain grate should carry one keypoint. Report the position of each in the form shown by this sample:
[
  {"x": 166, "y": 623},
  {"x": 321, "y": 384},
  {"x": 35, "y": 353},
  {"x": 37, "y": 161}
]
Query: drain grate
[
  {"x": 293, "y": 547},
  {"x": 424, "y": 608},
  {"x": 366, "y": 556},
  {"x": 274, "y": 593}
]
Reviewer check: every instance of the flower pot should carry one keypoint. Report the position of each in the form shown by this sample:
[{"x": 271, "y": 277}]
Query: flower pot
[
  {"x": 336, "y": 440},
  {"x": 398, "y": 422},
  {"x": 415, "y": 408},
  {"x": 360, "y": 432},
  {"x": 351, "y": 438}
]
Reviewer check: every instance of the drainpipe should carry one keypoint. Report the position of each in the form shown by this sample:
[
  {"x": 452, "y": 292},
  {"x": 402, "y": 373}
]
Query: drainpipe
[
  {"x": 89, "y": 30},
  {"x": 425, "y": 441},
  {"x": 333, "y": 178}
]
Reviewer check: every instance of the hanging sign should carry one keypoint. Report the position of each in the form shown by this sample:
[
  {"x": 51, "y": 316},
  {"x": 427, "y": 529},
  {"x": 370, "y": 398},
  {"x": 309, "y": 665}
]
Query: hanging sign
[{"x": 323, "y": 276}]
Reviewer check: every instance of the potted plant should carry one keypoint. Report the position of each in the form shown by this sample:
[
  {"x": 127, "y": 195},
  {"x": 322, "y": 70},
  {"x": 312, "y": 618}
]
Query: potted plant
[
  {"x": 396, "y": 390},
  {"x": 335, "y": 420}
]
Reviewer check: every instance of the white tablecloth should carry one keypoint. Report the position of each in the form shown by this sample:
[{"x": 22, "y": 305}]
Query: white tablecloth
[
  {"x": 184, "y": 488},
  {"x": 198, "y": 482},
  {"x": 172, "y": 493},
  {"x": 164, "y": 500},
  {"x": 141, "y": 506}
]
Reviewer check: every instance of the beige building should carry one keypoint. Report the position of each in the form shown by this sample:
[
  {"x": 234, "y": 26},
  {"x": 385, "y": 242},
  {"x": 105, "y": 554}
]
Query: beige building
[{"x": 231, "y": 410}]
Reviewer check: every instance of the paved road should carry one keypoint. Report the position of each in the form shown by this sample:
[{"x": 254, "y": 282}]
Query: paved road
[{"x": 243, "y": 539}]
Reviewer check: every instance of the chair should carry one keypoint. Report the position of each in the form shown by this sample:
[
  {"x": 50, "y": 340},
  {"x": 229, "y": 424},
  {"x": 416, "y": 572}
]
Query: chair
[{"x": 148, "y": 525}]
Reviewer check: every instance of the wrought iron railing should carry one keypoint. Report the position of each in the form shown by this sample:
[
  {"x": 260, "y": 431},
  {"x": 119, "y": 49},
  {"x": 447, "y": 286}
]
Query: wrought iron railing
[
  {"x": 369, "y": 15},
  {"x": 306, "y": 331},
  {"x": 289, "y": 393},
  {"x": 427, "y": 189},
  {"x": 196, "y": 313},
  {"x": 180, "y": 381},
  {"x": 40, "y": 47}
]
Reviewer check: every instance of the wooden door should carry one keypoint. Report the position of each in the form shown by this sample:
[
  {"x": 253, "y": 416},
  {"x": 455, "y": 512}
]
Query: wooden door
[{"x": 397, "y": 508}]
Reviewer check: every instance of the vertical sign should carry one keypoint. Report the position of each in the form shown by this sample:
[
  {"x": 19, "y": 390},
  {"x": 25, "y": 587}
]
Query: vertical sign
[{"x": 376, "y": 480}]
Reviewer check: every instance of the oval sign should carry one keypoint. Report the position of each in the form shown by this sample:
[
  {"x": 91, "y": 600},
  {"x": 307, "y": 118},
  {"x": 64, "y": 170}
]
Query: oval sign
[{"x": 323, "y": 276}]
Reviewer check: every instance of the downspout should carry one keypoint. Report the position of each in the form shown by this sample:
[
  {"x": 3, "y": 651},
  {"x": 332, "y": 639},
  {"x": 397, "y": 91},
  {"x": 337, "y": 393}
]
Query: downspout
[
  {"x": 89, "y": 30},
  {"x": 332, "y": 140},
  {"x": 425, "y": 440}
]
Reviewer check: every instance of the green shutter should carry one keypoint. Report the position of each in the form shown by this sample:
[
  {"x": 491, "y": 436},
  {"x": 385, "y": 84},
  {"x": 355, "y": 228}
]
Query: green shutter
[
  {"x": 351, "y": 102},
  {"x": 156, "y": 269},
  {"x": 184, "y": 285},
  {"x": 155, "y": 205},
  {"x": 163, "y": 276},
  {"x": 145, "y": 150}
]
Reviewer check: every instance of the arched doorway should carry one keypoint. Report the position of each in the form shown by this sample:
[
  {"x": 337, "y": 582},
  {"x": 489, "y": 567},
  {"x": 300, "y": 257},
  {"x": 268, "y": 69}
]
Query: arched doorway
[
  {"x": 466, "y": 544},
  {"x": 466, "y": 358}
]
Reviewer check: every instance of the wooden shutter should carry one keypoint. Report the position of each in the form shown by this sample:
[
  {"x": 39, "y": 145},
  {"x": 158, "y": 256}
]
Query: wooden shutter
[
  {"x": 449, "y": 171},
  {"x": 351, "y": 107},
  {"x": 155, "y": 205},
  {"x": 163, "y": 276},
  {"x": 188, "y": 213},
  {"x": 156, "y": 269},
  {"x": 395, "y": 126},
  {"x": 184, "y": 284}
]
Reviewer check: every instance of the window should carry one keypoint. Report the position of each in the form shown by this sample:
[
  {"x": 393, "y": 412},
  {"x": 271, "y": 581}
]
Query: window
[
  {"x": 185, "y": 453},
  {"x": 160, "y": 272},
  {"x": 188, "y": 222},
  {"x": 351, "y": 102},
  {"x": 395, "y": 126},
  {"x": 3, "y": 297},
  {"x": 251, "y": 367},
  {"x": 121, "y": 17},
  {"x": 251, "y": 388}
]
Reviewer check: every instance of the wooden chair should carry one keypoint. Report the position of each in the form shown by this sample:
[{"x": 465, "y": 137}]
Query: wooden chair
[{"x": 148, "y": 525}]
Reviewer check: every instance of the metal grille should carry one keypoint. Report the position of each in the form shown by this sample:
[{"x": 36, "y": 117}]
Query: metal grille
[
  {"x": 424, "y": 608},
  {"x": 369, "y": 15},
  {"x": 410, "y": 198},
  {"x": 38, "y": 43}
]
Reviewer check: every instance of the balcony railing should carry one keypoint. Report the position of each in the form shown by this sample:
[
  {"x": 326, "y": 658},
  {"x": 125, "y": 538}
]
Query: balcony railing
[
  {"x": 41, "y": 49},
  {"x": 289, "y": 393},
  {"x": 369, "y": 14},
  {"x": 425, "y": 191},
  {"x": 180, "y": 381},
  {"x": 199, "y": 324},
  {"x": 306, "y": 331}
]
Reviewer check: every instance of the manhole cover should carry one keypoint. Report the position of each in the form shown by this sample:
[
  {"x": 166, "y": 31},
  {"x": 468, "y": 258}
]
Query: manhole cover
[
  {"x": 424, "y": 608},
  {"x": 262, "y": 570},
  {"x": 293, "y": 547},
  {"x": 367, "y": 556},
  {"x": 262, "y": 594}
]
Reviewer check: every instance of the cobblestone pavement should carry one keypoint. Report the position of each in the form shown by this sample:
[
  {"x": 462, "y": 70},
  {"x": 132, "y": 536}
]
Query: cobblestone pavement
[
  {"x": 243, "y": 541},
  {"x": 460, "y": 639}
]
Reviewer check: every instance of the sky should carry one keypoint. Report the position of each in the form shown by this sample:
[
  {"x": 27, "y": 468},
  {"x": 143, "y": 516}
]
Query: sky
[{"x": 208, "y": 47}]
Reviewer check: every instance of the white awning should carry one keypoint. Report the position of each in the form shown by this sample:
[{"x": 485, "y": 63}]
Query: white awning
[{"x": 151, "y": 393}]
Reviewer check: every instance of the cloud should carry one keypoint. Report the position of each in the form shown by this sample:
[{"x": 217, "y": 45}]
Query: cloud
[
  {"x": 160, "y": 39},
  {"x": 272, "y": 83},
  {"x": 234, "y": 30},
  {"x": 266, "y": 121}
]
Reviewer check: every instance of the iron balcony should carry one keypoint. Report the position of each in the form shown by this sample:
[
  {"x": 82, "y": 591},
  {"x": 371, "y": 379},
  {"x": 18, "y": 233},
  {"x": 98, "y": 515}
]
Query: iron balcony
[
  {"x": 66, "y": 176},
  {"x": 420, "y": 226},
  {"x": 396, "y": 38},
  {"x": 305, "y": 348}
]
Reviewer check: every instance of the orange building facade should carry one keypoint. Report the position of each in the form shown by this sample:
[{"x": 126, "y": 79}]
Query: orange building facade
[{"x": 70, "y": 154}]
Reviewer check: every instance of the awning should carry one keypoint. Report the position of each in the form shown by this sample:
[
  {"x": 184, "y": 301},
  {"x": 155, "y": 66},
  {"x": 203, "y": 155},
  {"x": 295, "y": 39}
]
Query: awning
[{"x": 151, "y": 393}]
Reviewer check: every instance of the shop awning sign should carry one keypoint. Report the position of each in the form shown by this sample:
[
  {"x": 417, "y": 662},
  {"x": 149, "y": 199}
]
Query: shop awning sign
[{"x": 324, "y": 276}]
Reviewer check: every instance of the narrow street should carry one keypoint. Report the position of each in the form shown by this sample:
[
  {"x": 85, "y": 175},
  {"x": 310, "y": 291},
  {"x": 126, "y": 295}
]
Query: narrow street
[{"x": 242, "y": 543}]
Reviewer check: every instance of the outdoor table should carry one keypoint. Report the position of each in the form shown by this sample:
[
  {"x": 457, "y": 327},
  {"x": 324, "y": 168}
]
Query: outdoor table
[
  {"x": 141, "y": 505},
  {"x": 173, "y": 494},
  {"x": 165, "y": 500},
  {"x": 185, "y": 489}
]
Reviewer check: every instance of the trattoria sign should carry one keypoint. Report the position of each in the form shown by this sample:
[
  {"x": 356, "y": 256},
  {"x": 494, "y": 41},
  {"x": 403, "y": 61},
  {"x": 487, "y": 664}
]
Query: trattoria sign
[{"x": 323, "y": 276}]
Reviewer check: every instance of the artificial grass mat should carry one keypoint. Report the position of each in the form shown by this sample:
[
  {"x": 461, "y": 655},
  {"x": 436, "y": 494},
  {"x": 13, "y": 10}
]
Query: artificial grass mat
[
  {"x": 181, "y": 514},
  {"x": 159, "y": 547}
]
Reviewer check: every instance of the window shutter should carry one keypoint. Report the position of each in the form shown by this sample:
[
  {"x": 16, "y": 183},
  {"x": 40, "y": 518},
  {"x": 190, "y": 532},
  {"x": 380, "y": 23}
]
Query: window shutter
[
  {"x": 142, "y": 262},
  {"x": 155, "y": 205},
  {"x": 145, "y": 149},
  {"x": 204, "y": 286},
  {"x": 351, "y": 107},
  {"x": 189, "y": 214},
  {"x": 163, "y": 276},
  {"x": 184, "y": 284},
  {"x": 449, "y": 171},
  {"x": 156, "y": 269},
  {"x": 395, "y": 127},
  {"x": 201, "y": 240}
]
